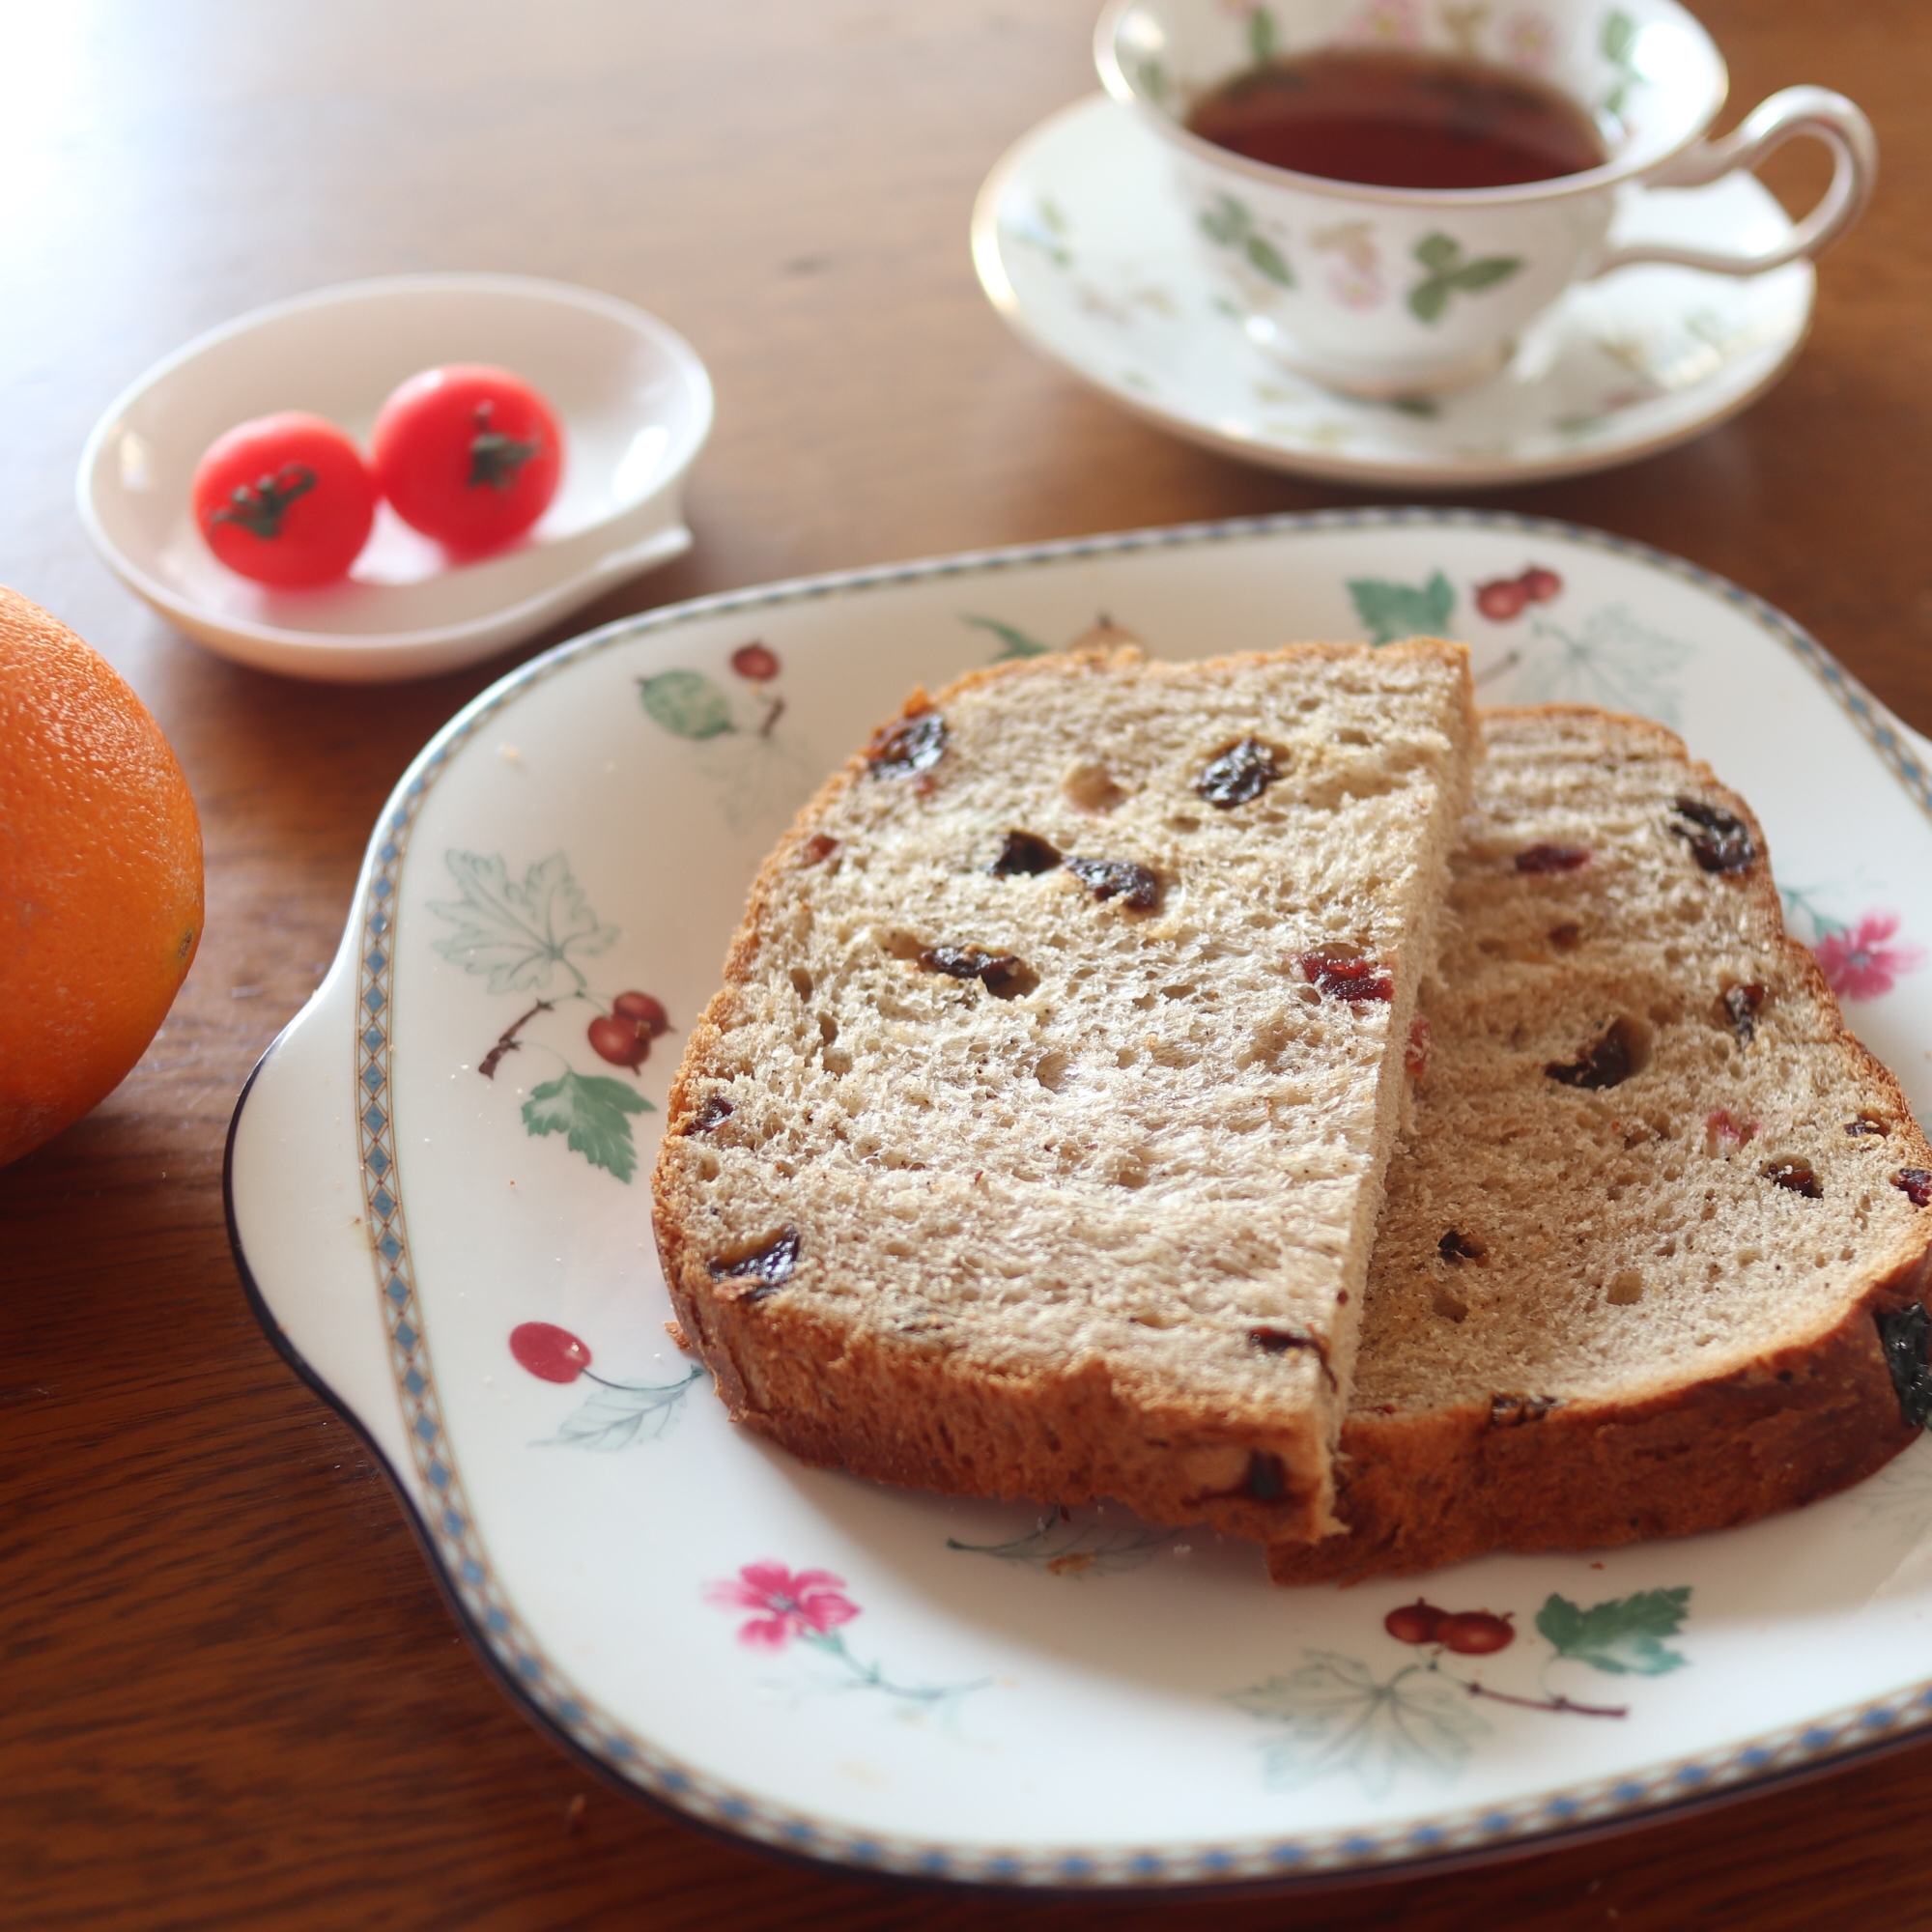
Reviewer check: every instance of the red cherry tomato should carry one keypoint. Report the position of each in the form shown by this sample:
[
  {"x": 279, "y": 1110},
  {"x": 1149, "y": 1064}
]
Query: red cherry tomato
[
  {"x": 285, "y": 500},
  {"x": 468, "y": 455}
]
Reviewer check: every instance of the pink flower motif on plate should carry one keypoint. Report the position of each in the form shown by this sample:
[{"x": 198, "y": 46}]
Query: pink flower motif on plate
[
  {"x": 802, "y": 1603},
  {"x": 1859, "y": 962}
]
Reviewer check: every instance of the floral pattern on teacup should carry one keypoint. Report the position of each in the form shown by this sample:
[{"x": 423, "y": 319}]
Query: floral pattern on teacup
[
  {"x": 1528, "y": 41},
  {"x": 1617, "y": 44},
  {"x": 1263, "y": 35},
  {"x": 1386, "y": 23},
  {"x": 1229, "y": 223},
  {"x": 1448, "y": 271},
  {"x": 1355, "y": 277}
]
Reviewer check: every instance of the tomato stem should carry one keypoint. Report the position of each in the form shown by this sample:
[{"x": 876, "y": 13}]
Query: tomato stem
[
  {"x": 496, "y": 460},
  {"x": 259, "y": 506}
]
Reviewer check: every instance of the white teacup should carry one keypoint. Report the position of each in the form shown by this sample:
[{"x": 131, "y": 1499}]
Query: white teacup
[{"x": 1393, "y": 291}]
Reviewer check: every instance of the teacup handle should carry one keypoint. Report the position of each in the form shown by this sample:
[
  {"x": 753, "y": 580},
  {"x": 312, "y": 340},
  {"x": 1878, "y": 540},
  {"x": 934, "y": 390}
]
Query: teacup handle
[{"x": 1792, "y": 111}]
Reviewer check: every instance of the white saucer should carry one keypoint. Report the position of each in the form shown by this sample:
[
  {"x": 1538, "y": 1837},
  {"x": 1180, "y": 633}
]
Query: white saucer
[
  {"x": 1084, "y": 247},
  {"x": 636, "y": 405}
]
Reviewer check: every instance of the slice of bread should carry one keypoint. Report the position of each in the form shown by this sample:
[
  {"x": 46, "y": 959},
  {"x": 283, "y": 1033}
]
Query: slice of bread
[
  {"x": 1034, "y": 1145},
  {"x": 1655, "y": 1217}
]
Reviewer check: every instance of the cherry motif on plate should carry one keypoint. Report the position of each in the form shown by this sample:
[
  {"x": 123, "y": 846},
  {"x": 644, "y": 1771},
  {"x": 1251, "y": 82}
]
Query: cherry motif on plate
[
  {"x": 1336, "y": 1713},
  {"x": 616, "y": 1416},
  {"x": 522, "y": 934}
]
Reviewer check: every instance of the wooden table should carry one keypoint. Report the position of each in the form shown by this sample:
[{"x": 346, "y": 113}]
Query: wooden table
[{"x": 231, "y": 1696}]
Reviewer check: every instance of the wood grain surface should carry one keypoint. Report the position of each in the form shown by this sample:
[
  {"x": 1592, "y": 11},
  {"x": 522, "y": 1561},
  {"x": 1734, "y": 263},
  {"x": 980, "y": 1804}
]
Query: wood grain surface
[{"x": 230, "y": 1695}]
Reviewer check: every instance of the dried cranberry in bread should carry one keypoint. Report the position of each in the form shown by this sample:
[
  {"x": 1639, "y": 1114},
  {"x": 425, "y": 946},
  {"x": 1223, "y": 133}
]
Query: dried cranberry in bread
[
  {"x": 1034, "y": 1145},
  {"x": 1652, "y": 1261}
]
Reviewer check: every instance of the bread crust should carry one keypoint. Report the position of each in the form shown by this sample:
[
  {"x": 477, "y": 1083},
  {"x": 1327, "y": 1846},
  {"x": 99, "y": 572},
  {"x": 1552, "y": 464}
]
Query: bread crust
[
  {"x": 838, "y": 1397},
  {"x": 838, "y": 1393},
  {"x": 1798, "y": 1422}
]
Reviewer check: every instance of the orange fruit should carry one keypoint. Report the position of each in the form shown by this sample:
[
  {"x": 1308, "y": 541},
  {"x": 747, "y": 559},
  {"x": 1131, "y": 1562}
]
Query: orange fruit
[{"x": 100, "y": 877}]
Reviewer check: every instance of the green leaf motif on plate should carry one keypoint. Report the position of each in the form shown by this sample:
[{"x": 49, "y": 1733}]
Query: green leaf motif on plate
[
  {"x": 1014, "y": 643},
  {"x": 1623, "y": 1636},
  {"x": 687, "y": 704},
  {"x": 1042, "y": 224},
  {"x": 1391, "y": 612},
  {"x": 588, "y": 1110},
  {"x": 1340, "y": 1716},
  {"x": 619, "y": 1414},
  {"x": 1063, "y": 1547},
  {"x": 1613, "y": 660},
  {"x": 518, "y": 934}
]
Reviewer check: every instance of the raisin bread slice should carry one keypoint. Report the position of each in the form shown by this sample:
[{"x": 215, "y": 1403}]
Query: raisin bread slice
[
  {"x": 1660, "y": 1220},
  {"x": 1034, "y": 1145}
]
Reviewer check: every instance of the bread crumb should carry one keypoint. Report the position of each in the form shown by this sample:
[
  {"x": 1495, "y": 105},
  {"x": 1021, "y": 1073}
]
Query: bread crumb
[{"x": 676, "y": 1333}]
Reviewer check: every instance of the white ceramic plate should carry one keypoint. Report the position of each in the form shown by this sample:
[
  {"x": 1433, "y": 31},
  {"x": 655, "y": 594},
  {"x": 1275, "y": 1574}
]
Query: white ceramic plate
[
  {"x": 636, "y": 405},
  {"x": 1082, "y": 243},
  {"x": 955, "y": 1688}
]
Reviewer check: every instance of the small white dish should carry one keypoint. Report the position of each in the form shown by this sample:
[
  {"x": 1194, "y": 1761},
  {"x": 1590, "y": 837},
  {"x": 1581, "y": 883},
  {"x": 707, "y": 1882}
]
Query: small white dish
[
  {"x": 1081, "y": 240},
  {"x": 636, "y": 405},
  {"x": 439, "y": 1197}
]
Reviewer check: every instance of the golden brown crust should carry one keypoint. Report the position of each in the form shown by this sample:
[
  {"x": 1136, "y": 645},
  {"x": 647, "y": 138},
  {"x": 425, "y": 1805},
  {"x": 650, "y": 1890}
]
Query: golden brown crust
[
  {"x": 848, "y": 1399},
  {"x": 1804, "y": 1422}
]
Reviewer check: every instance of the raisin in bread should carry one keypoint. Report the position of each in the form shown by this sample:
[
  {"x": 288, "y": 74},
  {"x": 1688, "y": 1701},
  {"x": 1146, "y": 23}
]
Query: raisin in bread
[
  {"x": 1034, "y": 1145},
  {"x": 1658, "y": 1211}
]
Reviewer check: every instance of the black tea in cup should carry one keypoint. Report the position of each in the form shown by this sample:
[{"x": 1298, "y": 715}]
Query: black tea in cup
[{"x": 1396, "y": 119}]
